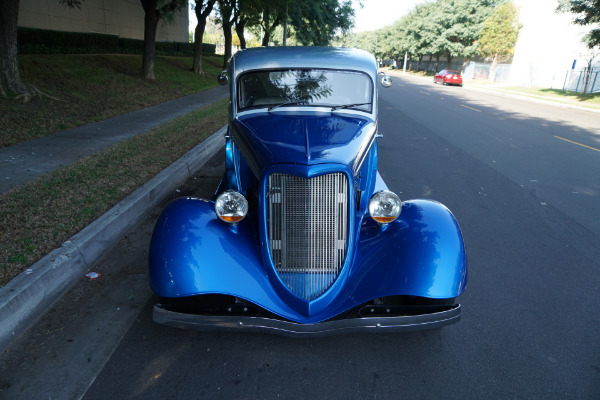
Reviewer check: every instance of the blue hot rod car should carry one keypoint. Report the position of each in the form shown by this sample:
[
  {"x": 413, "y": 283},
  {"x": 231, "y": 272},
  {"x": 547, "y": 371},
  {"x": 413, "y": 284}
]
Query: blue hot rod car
[{"x": 302, "y": 236}]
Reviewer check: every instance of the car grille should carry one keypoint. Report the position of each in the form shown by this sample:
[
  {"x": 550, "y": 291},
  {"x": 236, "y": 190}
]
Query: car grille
[{"x": 308, "y": 230}]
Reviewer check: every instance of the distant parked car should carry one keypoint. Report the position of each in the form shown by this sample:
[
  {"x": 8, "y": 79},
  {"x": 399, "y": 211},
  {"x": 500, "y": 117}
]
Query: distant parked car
[{"x": 448, "y": 77}]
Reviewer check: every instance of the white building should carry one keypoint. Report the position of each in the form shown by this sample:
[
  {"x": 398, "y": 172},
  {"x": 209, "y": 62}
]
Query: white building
[
  {"x": 548, "y": 45},
  {"x": 124, "y": 18}
]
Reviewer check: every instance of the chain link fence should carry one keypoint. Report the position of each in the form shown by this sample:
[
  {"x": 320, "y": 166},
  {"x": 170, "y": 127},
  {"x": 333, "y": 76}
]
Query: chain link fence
[
  {"x": 585, "y": 80},
  {"x": 476, "y": 70}
]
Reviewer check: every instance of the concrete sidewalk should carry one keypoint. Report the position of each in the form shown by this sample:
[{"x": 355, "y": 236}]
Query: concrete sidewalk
[
  {"x": 29, "y": 295},
  {"x": 25, "y": 161}
]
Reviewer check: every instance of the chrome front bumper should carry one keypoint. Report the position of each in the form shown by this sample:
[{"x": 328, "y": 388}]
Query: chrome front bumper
[{"x": 293, "y": 329}]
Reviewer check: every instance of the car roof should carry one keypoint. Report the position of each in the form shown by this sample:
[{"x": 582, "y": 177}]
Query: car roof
[{"x": 303, "y": 57}]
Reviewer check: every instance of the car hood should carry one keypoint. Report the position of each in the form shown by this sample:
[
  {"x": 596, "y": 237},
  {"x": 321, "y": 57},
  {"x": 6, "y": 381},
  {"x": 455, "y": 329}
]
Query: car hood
[{"x": 265, "y": 139}]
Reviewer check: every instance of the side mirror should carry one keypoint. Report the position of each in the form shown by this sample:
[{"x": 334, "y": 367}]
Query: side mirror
[
  {"x": 386, "y": 81},
  {"x": 223, "y": 78}
]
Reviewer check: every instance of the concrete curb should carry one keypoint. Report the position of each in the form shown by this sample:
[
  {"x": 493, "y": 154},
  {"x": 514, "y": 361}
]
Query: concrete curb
[{"x": 26, "y": 297}]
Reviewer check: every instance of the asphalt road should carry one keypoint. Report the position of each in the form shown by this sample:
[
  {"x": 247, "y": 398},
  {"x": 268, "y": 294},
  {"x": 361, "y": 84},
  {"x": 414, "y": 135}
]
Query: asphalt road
[{"x": 523, "y": 180}]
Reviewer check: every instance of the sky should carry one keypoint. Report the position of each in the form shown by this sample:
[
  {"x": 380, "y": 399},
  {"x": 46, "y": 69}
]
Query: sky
[{"x": 375, "y": 14}]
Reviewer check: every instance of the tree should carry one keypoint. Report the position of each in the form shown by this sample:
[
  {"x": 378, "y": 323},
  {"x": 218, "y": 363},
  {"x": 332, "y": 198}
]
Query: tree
[
  {"x": 270, "y": 13},
  {"x": 368, "y": 41},
  {"x": 240, "y": 27},
  {"x": 312, "y": 22},
  {"x": 227, "y": 17},
  {"x": 460, "y": 23},
  {"x": 154, "y": 11},
  {"x": 242, "y": 14},
  {"x": 317, "y": 21},
  {"x": 499, "y": 35},
  {"x": 202, "y": 8},
  {"x": 213, "y": 33},
  {"x": 10, "y": 78},
  {"x": 394, "y": 41},
  {"x": 250, "y": 14},
  {"x": 422, "y": 31},
  {"x": 587, "y": 13}
]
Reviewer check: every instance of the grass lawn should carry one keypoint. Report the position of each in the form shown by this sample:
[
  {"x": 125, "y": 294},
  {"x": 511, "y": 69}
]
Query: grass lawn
[
  {"x": 557, "y": 94},
  {"x": 89, "y": 88},
  {"x": 38, "y": 217}
]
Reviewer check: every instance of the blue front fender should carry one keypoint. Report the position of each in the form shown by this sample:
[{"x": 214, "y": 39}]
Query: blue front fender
[{"x": 420, "y": 254}]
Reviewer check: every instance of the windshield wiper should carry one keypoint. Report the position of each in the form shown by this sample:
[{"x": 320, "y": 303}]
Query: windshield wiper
[
  {"x": 289, "y": 103},
  {"x": 349, "y": 106}
]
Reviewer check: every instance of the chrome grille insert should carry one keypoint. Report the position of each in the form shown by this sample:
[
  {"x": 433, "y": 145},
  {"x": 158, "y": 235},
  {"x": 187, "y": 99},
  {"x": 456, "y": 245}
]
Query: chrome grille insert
[{"x": 308, "y": 230}]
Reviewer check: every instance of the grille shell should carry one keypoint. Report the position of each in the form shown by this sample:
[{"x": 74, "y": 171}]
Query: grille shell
[{"x": 308, "y": 230}]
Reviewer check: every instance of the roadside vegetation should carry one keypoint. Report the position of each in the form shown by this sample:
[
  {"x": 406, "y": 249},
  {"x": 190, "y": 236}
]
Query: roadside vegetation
[
  {"x": 38, "y": 217},
  {"x": 82, "y": 89},
  {"x": 591, "y": 99},
  {"x": 439, "y": 32}
]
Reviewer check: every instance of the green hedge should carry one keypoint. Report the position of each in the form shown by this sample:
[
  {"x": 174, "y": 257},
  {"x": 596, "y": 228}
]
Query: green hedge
[
  {"x": 43, "y": 41},
  {"x": 136, "y": 46}
]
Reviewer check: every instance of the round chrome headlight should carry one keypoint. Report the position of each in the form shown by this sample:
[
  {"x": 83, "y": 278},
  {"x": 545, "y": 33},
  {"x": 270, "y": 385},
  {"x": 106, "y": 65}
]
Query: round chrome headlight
[
  {"x": 231, "y": 206},
  {"x": 385, "y": 207}
]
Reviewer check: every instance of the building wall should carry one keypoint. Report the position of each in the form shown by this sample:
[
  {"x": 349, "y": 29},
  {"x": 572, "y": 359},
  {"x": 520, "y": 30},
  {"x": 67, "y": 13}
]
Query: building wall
[
  {"x": 124, "y": 18},
  {"x": 547, "y": 46}
]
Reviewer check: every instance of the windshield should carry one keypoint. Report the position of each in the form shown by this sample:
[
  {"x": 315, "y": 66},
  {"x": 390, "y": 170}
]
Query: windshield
[{"x": 329, "y": 88}]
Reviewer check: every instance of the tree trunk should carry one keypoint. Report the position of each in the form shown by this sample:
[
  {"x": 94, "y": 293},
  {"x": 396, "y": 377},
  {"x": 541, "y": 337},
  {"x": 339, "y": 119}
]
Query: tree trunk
[
  {"x": 267, "y": 33},
  {"x": 10, "y": 79},
  {"x": 152, "y": 15},
  {"x": 429, "y": 63},
  {"x": 419, "y": 63},
  {"x": 449, "y": 59},
  {"x": 202, "y": 12},
  {"x": 239, "y": 29},
  {"x": 269, "y": 29},
  {"x": 437, "y": 63},
  {"x": 228, "y": 42},
  {"x": 588, "y": 76},
  {"x": 150, "y": 26},
  {"x": 198, "y": 35},
  {"x": 266, "y": 38},
  {"x": 228, "y": 18},
  {"x": 493, "y": 68}
]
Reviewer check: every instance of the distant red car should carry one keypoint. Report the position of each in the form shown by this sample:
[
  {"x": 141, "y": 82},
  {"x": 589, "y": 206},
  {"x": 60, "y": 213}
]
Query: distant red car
[{"x": 448, "y": 77}]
